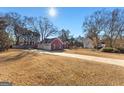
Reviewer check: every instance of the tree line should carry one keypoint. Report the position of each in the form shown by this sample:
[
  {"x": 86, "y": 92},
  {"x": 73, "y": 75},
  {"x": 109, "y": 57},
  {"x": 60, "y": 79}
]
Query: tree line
[
  {"x": 101, "y": 26},
  {"x": 14, "y": 23},
  {"x": 107, "y": 25}
]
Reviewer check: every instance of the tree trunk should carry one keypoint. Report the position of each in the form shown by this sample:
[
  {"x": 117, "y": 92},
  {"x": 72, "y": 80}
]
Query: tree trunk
[{"x": 17, "y": 40}]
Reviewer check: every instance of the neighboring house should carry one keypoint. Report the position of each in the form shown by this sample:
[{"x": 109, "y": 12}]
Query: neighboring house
[
  {"x": 27, "y": 38},
  {"x": 88, "y": 43},
  {"x": 51, "y": 44}
]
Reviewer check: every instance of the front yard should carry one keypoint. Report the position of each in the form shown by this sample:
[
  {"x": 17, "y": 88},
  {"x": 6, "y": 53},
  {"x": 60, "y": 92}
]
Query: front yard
[
  {"x": 26, "y": 68},
  {"x": 92, "y": 52}
]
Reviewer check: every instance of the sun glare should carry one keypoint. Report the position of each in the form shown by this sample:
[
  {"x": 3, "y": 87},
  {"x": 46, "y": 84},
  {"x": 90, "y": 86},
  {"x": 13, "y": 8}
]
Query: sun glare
[{"x": 52, "y": 12}]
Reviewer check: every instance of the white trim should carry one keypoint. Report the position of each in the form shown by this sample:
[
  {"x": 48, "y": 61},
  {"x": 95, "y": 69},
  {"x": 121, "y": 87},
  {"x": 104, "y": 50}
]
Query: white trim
[{"x": 58, "y": 39}]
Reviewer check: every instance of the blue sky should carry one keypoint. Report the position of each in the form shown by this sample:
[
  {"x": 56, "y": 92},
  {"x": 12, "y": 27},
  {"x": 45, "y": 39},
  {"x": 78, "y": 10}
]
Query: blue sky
[{"x": 68, "y": 18}]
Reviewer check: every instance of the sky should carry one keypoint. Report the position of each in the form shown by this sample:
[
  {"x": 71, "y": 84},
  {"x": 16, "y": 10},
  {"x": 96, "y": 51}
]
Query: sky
[{"x": 70, "y": 18}]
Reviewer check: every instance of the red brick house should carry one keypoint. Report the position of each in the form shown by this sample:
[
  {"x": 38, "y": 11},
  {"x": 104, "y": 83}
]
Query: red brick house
[{"x": 51, "y": 44}]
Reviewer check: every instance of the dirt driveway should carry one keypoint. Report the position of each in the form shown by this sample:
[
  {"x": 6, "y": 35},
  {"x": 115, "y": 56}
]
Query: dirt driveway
[{"x": 83, "y": 57}]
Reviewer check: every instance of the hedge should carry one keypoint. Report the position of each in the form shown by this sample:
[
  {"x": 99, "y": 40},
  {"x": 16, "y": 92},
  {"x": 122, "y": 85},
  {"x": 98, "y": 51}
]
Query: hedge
[
  {"x": 121, "y": 50},
  {"x": 108, "y": 49}
]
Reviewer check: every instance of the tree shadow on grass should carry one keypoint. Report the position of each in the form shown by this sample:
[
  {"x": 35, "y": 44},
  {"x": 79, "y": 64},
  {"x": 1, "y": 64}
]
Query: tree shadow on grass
[
  {"x": 52, "y": 50},
  {"x": 17, "y": 57}
]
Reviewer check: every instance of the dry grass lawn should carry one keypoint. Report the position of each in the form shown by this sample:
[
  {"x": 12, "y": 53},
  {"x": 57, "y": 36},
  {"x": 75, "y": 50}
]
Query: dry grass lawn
[
  {"x": 92, "y": 52},
  {"x": 24, "y": 68}
]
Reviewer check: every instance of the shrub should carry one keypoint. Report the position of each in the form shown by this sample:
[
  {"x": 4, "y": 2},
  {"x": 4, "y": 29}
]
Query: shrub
[
  {"x": 121, "y": 50},
  {"x": 108, "y": 49},
  {"x": 116, "y": 50}
]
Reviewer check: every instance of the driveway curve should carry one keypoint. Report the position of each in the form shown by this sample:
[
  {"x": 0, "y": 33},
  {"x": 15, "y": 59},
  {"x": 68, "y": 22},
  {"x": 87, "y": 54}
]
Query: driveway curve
[{"x": 83, "y": 57}]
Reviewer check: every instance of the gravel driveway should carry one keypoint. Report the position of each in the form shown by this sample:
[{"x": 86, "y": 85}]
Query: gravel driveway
[{"x": 83, "y": 57}]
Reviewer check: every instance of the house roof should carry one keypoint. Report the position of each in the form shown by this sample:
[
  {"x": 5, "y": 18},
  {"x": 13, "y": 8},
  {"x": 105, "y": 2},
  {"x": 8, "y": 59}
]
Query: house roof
[{"x": 49, "y": 40}]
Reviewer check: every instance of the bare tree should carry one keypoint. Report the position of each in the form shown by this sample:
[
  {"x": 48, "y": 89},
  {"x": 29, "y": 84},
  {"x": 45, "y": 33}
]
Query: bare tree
[
  {"x": 41, "y": 25},
  {"x": 15, "y": 23},
  {"x": 4, "y": 39},
  {"x": 64, "y": 35},
  {"x": 93, "y": 26},
  {"x": 79, "y": 41},
  {"x": 114, "y": 26},
  {"x": 109, "y": 24}
]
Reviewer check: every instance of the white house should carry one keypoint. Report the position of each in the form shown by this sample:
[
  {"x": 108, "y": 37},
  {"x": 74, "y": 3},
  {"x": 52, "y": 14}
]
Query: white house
[{"x": 88, "y": 43}]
